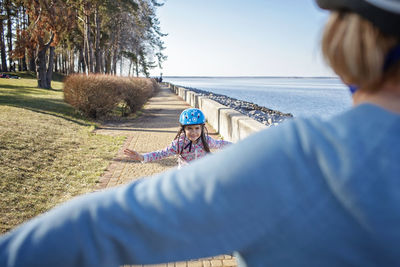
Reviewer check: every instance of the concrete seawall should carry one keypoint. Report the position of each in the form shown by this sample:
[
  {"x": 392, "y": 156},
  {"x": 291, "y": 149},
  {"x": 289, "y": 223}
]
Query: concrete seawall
[{"x": 230, "y": 124}]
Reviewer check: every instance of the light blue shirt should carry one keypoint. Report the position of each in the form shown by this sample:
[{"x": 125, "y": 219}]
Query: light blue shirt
[{"x": 306, "y": 193}]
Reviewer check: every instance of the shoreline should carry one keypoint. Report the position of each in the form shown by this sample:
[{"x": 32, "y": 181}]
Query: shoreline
[{"x": 259, "y": 113}]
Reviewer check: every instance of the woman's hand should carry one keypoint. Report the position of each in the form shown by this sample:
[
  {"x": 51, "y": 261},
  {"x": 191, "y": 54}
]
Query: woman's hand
[{"x": 133, "y": 154}]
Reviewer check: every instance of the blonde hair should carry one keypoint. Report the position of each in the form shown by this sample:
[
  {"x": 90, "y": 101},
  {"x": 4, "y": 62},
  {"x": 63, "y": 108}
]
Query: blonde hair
[{"x": 356, "y": 51}]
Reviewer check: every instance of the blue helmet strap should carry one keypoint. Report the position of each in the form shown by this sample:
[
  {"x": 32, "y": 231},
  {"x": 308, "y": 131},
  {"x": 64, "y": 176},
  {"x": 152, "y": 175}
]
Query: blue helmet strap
[
  {"x": 353, "y": 88},
  {"x": 189, "y": 145},
  {"x": 391, "y": 58}
]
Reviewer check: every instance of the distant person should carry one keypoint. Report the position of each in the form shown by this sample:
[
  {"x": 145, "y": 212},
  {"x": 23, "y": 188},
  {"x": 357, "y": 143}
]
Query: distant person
[
  {"x": 308, "y": 192},
  {"x": 191, "y": 142}
]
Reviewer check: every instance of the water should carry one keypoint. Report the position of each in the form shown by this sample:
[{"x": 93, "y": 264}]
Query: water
[{"x": 303, "y": 97}]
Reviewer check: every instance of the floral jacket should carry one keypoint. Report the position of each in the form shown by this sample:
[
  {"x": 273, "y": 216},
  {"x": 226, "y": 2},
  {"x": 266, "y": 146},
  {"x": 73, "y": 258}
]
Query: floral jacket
[{"x": 190, "y": 151}]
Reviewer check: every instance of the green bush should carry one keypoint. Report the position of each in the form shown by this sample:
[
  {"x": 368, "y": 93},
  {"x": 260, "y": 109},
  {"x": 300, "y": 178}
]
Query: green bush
[{"x": 96, "y": 95}]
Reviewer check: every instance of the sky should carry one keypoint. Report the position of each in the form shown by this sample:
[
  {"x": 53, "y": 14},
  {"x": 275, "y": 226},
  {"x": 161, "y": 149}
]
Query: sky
[{"x": 242, "y": 38}]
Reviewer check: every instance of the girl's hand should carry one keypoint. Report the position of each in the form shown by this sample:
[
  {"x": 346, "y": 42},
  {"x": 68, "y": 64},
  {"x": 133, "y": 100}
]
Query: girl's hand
[{"x": 133, "y": 154}]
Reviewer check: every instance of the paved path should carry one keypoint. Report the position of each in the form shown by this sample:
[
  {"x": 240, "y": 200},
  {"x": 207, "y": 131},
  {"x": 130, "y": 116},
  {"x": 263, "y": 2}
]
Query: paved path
[{"x": 153, "y": 130}]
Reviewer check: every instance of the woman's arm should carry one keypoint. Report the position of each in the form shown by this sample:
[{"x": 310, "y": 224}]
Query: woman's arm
[
  {"x": 218, "y": 204},
  {"x": 177, "y": 215}
]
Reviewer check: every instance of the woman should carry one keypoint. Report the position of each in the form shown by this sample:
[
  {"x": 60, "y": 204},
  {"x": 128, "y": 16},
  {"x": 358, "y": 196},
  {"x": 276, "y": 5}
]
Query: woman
[{"x": 307, "y": 193}]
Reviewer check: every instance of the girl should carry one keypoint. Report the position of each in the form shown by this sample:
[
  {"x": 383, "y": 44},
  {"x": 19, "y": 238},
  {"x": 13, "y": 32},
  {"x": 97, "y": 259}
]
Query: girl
[{"x": 190, "y": 143}]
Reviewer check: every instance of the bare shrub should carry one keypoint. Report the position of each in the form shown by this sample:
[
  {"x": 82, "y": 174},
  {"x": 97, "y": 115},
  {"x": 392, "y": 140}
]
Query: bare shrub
[
  {"x": 93, "y": 95},
  {"x": 96, "y": 95},
  {"x": 139, "y": 91}
]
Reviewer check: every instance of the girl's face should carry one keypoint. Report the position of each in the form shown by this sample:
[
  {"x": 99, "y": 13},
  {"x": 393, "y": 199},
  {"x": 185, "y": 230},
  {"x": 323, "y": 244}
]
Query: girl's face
[{"x": 193, "y": 132}]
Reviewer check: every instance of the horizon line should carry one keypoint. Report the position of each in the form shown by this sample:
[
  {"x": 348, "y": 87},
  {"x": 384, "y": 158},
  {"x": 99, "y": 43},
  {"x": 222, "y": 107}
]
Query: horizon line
[{"x": 244, "y": 76}]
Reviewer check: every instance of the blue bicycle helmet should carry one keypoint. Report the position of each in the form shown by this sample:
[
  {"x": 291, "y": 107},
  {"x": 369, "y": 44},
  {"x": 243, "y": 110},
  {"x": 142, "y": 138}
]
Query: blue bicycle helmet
[{"x": 192, "y": 116}]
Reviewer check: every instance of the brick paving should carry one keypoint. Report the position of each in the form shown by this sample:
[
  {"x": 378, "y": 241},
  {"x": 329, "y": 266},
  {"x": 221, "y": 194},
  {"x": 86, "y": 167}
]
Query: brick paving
[{"x": 153, "y": 130}]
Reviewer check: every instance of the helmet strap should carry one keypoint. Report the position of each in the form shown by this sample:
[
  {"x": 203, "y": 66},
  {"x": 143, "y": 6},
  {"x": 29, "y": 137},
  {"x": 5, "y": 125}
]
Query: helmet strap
[
  {"x": 353, "y": 88},
  {"x": 189, "y": 145},
  {"x": 392, "y": 57}
]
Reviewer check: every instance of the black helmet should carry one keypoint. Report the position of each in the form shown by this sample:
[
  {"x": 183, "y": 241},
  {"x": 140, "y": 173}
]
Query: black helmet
[{"x": 384, "y": 14}]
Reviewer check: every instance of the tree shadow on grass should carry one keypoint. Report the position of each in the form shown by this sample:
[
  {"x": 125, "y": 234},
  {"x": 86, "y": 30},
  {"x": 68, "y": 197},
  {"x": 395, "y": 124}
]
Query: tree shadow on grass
[
  {"x": 135, "y": 130},
  {"x": 149, "y": 119},
  {"x": 48, "y": 106},
  {"x": 27, "y": 89}
]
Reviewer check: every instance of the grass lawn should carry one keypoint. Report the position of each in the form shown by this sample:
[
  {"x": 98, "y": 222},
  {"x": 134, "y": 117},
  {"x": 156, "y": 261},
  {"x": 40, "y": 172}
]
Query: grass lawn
[{"x": 48, "y": 153}]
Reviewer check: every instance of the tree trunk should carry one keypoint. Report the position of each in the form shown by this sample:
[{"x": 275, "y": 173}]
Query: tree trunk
[
  {"x": 82, "y": 65},
  {"x": 23, "y": 21},
  {"x": 130, "y": 67},
  {"x": 102, "y": 61},
  {"x": 3, "y": 44},
  {"x": 18, "y": 24},
  {"x": 89, "y": 45},
  {"x": 97, "y": 53},
  {"x": 85, "y": 52},
  {"x": 41, "y": 68},
  {"x": 49, "y": 73},
  {"x": 114, "y": 59},
  {"x": 120, "y": 66},
  {"x": 71, "y": 68},
  {"x": 107, "y": 61},
  {"x": 3, "y": 48},
  {"x": 114, "y": 62},
  {"x": 24, "y": 65},
  {"x": 9, "y": 34},
  {"x": 32, "y": 63},
  {"x": 114, "y": 49},
  {"x": 64, "y": 63},
  {"x": 41, "y": 71},
  {"x": 79, "y": 60},
  {"x": 55, "y": 63}
]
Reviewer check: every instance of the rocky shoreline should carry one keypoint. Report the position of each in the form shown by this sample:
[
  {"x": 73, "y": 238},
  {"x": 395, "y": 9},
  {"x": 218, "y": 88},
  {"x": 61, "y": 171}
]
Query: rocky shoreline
[{"x": 261, "y": 114}]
